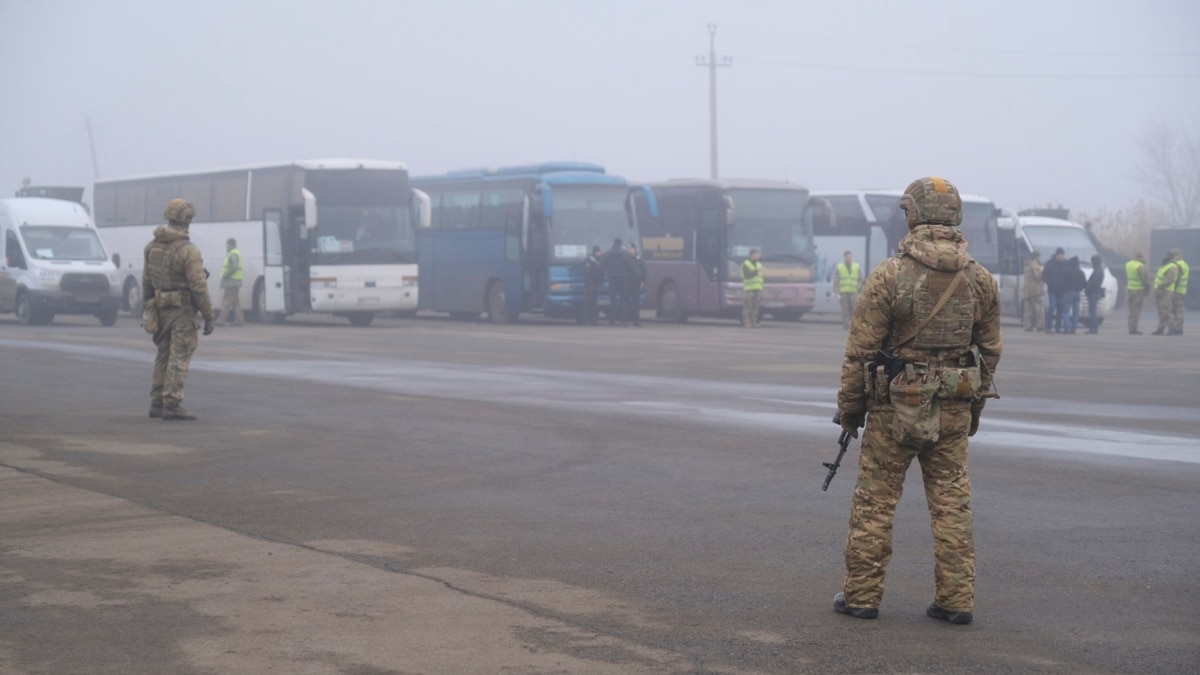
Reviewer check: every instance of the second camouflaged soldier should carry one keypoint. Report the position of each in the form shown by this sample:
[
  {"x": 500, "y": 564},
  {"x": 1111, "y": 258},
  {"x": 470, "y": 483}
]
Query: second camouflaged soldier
[
  {"x": 1178, "y": 292},
  {"x": 176, "y": 286},
  {"x": 1164, "y": 289},
  {"x": 935, "y": 314},
  {"x": 1034, "y": 294},
  {"x": 1137, "y": 285}
]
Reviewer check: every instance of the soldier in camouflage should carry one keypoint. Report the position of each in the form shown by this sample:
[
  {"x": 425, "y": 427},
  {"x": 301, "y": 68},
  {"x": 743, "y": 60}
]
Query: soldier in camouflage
[
  {"x": 1179, "y": 292},
  {"x": 175, "y": 283},
  {"x": 936, "y": 312},
  {"x": 1034, "y": 294},
  {"x": 1164, "y": 291}
]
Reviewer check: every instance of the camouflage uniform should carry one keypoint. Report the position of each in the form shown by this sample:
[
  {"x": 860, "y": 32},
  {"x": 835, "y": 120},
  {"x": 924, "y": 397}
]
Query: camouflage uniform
[
  {"x": 1179, "y": 292},
  {"x": 1035, "y": 294},
  {"x": 1164, "y": 285},
  {"x": 899, "y": 294},
  {"x": 173, "y": 278}
]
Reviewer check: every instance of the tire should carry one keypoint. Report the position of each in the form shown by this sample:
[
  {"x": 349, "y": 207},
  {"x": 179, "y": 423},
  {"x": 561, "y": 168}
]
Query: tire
[
  {"x": 495, "y": 302},
  {"x": 670, "y": 305},
  {"x": 107, "y": 317},
  {"x": 24, "y": 311},
  {"x": 360, "y": 319},
  {"x": 132, "y": 298}
]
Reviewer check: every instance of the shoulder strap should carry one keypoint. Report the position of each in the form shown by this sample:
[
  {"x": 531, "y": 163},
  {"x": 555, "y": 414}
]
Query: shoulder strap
[{"x": 936, "y": 308}]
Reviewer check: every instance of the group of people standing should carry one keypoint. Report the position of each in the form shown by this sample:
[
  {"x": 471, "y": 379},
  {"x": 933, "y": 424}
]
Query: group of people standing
[
  {"x": 1053, "y": 293},
  {"x": 626, "y": 275}
]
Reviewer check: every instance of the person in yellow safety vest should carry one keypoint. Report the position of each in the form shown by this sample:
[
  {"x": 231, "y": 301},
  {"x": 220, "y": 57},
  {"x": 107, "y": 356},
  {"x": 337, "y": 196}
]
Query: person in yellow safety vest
[
  {"x": 1179, "y": 293},
  {"x": 231, "y": 285},
  {"x": 849, "y": 281},
  {"x": 1164, "y": 288},
  {"x": 1137, "y": 287},
  {"x": 752, "y": 286}
]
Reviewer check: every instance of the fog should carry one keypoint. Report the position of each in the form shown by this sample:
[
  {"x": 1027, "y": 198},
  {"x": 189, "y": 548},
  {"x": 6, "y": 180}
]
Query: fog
[{"x": 1026, "y": 102}]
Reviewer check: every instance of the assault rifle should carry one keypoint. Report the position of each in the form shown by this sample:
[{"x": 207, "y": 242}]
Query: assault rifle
[{"x": 843, "y": 442}]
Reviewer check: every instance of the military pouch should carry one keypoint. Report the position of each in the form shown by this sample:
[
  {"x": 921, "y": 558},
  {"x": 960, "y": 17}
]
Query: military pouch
[
  {"x": 917, "y": 414},
  {"x": 169, "y": 299},
  {"x": 150, "y": 317},
  {"x": 959, "y": 384}
]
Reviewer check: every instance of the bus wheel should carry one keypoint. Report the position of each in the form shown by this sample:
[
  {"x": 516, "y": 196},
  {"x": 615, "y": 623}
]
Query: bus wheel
[
  {"x": 495, "y": 302},
  {"x": 133, "y": 298},
  {"x": 670, "y": 305},
  {"x": 108, "y": 317},
  {"x": 360, "y": 319}
]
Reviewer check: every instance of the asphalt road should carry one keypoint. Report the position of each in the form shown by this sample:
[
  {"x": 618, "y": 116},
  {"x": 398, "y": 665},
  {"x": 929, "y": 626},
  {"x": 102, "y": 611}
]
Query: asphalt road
[{"x": 434, "y": 496}]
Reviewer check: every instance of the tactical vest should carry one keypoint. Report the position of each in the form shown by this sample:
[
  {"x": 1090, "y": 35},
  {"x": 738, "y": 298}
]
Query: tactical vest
[
  {"x": 1133, "y": 276},
  {"x": 237, "y": 273},
  {"x": 918, "y": 290},
  {"x": 168, "y": 278},
  {"x": 754, "y": 283},
  {"x": 1160, "y": 279},
  {"x": 848, "y": 278},
  {"x": 1181, "y": 283}
]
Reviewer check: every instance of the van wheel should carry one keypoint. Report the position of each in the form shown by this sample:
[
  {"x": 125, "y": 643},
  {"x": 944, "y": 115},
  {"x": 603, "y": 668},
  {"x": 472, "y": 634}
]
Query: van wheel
[
  {"x": 25, "y": 311},
  {"x": 496, "y": 302},
  {"x": 360, "y": 319},
  {"x": 133, "y": 298},
  {"x": 108, "y": 317}
]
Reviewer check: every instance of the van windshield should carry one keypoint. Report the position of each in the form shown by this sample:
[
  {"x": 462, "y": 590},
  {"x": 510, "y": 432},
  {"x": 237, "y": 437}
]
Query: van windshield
[{"x": 62, "y": 242}]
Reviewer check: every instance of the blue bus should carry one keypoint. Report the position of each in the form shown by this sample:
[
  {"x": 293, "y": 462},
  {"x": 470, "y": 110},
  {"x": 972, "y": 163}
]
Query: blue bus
[{"x": 513, "y": 240}]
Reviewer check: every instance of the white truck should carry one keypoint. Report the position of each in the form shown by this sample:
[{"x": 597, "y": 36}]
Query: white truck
[{"x": 52, "y": 262}]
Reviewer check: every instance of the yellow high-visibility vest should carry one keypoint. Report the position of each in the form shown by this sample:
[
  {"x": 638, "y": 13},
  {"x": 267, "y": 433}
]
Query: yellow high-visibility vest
[
  {"x": 848, "y": 278},
  {"x": 1133, "y": 275},
  {"x": 752, "y": 279}
]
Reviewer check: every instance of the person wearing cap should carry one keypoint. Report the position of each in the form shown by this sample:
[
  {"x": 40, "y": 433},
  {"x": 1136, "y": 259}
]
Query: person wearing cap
[
  {"x": 1055, "y": 276},
  {"x": 1034, "y": 294},
  {"x": 1137, "y": 286}
]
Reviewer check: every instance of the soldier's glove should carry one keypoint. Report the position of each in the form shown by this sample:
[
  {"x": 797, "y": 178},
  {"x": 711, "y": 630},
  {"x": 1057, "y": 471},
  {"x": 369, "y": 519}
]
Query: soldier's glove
[
  {"x": 850, "y": 422},
  {"x": 976, "y": 411},
  {"x": 209, "y": 324}
]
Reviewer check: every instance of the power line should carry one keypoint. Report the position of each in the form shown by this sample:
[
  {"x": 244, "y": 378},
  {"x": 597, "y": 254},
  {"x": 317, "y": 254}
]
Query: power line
[{"x": 947, "y": 73}]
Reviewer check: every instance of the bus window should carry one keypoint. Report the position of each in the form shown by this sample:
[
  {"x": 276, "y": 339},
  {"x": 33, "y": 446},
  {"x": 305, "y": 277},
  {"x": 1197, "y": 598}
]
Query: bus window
[{"x": 459, "y": 210}]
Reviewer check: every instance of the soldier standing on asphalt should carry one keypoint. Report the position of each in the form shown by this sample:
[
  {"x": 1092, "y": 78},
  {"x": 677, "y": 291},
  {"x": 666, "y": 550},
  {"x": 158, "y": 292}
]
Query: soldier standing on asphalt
[
  {"x": 637, "y": 279},
  {"x": 1137, "y": 285},
  {"x": 936, "y": 312},
  {"x": 1164, "y": 288},
  {"x": 618, "y": 269},
  {"x": 752, "y": 288},
  {"x": 175, "y": 284},
  {"x": 231, "y": 285},
  {"x": 849, "y": 282},
  {"x": 1179, "y": 292},
  {"x": 593, "y": 278},
  {"x": 1034, "y": 292}
]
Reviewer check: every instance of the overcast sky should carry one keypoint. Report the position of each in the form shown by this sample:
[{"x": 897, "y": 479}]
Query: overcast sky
[{"x": 1024, "y": 101}]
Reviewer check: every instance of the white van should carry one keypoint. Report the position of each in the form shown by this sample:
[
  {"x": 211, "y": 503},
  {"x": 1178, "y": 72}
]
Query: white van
[{"x": 52, "y": 262}]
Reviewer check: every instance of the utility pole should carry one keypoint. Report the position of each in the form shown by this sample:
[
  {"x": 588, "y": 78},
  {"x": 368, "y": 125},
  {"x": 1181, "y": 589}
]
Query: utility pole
[
  {"x": 92, "y": 148},
  {"x": 713, "y": 64}
]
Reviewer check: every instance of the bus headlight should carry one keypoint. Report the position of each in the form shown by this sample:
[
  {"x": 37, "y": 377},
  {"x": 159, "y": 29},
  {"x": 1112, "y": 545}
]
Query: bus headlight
[{"x": 113, "y": 277}]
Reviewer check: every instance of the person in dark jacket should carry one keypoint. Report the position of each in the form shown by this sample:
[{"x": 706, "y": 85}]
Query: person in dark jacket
[
  {"x": 1054, "y": 274},
  {"x": 593, "y": 278},
  {"x": 1094, "y": 291},
  {"x": 618, "y": 269},
  {"x": 637, "y": 278},
  {"x": 1074, "y": 283}
]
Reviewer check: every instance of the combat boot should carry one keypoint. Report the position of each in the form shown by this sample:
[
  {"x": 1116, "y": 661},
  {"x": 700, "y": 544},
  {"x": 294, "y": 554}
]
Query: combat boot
[
  {"x": 156, "y": 408},
  {"x": 840, "y": 606},
  {"x": 1158, "y": 332},
  {"x": 1135, "y": 332},
  {"x": 957, "y": 618},
  {"x": 176, "y": 412}
]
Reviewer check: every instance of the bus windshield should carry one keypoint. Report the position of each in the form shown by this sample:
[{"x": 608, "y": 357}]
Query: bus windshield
[
  {"x": 363, "y": 235},
  {"x": 979, "y": 229},
  {"x": 586, "y": 216},
  {"x": 1074, "y": 240},
  {"x": 62, "y": 242},
  {"x": 777, "y": 222}
]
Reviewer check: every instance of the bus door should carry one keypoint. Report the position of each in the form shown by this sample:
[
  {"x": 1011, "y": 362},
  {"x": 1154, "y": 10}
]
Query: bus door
[
  {"x": 275, "y": 295},
  {"x": 710, "y": 250}
]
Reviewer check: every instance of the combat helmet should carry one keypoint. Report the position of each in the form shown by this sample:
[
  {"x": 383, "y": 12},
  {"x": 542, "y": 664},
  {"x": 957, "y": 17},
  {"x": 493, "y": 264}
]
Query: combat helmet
[
  {"x": 932, "y": 200},
  {"x": 179, "y": 211}
]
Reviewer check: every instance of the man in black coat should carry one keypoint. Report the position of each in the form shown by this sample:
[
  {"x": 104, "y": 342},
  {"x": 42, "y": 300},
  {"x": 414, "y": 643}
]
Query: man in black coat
[
  {"x": 1054, "y": 274},
  {"x": 593, "y": 278},
  {"x": 618, "y": 269},
  {"x": 1094, "y": 291},
  {"x": 637, "y": 278}
]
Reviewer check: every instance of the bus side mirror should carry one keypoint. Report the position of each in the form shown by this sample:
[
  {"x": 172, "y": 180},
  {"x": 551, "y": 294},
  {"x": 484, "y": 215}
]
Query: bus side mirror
[
  {"x": 727, "y": 203},
  {"x": 310, "y": 209},
  {"x": 424, "y": 208}
]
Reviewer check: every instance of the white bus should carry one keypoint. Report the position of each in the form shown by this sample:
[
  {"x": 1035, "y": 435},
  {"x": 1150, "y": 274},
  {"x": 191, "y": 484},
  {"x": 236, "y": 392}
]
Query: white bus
[
  {"x": 334, "y": 236},
  {"x": 870, "y": 224},
  {"x": 1045, "y": 234}
]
